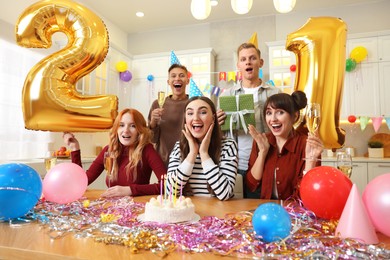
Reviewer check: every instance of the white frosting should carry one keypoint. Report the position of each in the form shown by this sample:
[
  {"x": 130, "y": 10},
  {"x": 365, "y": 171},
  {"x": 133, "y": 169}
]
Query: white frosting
[{"x": 169, "y": 211}]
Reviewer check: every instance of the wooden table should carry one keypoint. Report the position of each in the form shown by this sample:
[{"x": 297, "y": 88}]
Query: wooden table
[{"x": 30, "y": 241}]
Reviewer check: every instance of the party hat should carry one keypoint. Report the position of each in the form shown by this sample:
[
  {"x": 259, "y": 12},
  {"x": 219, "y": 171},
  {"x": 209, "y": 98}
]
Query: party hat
[
  {"x": 253, "y": 40},
  {"x": 354, "y": 221},
  {"x": 376, "y": 122},
  {"x": 194, "y": 90},
  {"x": 174, "y": 59},
  {"x": 363, "y": 122}
]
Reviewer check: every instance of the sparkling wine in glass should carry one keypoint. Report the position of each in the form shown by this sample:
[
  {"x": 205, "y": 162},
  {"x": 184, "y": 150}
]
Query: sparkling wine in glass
[
  {"x": 50, "y": 160},
  {"x": 108, "y": 165},
  {"x": 313, "y": 118},
  {"x": 161, "y": 98},
  {"x": 344, "y": 163}
]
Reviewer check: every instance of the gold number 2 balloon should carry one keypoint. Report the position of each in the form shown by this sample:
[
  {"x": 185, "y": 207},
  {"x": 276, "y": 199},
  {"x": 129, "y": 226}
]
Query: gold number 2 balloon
[
  {"x": 319, "y": 47},
  {"x": 50, "y": 99}
]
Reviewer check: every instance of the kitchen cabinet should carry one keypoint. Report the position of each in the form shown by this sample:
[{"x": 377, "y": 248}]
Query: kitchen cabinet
[
  {"x": 359, "y": 173},
  {"x": 376, "y": 169}
]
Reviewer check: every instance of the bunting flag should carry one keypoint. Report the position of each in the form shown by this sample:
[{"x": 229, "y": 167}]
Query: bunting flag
[
  {"x": 216, "y": 91},
  {"x": 387, "y": 121},
  {"x": 376, "y": 122},
  {"x": 194, "y": 90},
  {"x": 231, "y": 76},
  {"x": 363, "y": 122},
  {"x": 222, "y": 76},
  {"x": 260, "y": 73},
  {"x": 174, "y": 59},
  {"x": 253, "y": 40}
]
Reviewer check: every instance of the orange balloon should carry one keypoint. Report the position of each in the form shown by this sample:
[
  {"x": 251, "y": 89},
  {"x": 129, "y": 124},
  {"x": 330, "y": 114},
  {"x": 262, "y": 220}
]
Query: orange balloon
[
  {"x": 50, "y": 99},
  {"x": 319, "y": 47}
]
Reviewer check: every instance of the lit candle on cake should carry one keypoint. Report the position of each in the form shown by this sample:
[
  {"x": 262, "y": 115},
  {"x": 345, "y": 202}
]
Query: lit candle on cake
[
  {"x": 161, "y": 188},
  {"x": 175, "y": 194}
]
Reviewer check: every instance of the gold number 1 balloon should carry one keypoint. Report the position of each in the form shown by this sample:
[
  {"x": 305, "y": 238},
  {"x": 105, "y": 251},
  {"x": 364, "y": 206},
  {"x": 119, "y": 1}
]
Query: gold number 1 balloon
[
  {"x": 319, "y": 47},
  {"x": 50, "y": 99}
]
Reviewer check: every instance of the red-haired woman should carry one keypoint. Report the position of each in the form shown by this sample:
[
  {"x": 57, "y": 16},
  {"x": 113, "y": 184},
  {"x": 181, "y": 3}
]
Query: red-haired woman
[{"x": 133, "y": 157}]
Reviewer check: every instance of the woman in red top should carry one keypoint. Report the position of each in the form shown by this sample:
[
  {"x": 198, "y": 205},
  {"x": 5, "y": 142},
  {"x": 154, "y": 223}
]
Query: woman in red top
[
  {"x": 134, "y": 157},
  {"x": 276, "y": 161}
]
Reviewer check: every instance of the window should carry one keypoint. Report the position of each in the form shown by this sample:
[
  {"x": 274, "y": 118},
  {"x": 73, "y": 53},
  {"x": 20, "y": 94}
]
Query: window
[{"x": 16, "y": 141}]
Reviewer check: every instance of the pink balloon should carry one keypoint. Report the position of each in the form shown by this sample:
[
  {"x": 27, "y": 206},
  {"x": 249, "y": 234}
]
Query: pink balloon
[
  {"x": 64, "y": 183},
  {"x": 376, "y": 197}
]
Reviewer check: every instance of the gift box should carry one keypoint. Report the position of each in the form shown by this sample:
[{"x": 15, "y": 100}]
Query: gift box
[{"x": 239, "y": 111}]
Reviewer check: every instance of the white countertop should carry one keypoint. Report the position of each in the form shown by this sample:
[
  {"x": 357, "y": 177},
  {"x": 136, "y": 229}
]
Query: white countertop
[{"x": 358, "y": 159}]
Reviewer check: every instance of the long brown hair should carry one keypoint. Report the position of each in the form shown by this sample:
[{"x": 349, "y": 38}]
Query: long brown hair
[
  {"x": 216, "y": 136},
  {"x": 115, "y": 147}
]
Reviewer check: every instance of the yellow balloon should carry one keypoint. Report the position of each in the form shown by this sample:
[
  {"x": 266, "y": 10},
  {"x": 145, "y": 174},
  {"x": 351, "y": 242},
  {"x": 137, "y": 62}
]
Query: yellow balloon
[
  {"x": 121, "y": 66},
  {"x": 50, "y": 99},
  {"x": 319, "y": 47},
  {"x": 358, "y": 54}
]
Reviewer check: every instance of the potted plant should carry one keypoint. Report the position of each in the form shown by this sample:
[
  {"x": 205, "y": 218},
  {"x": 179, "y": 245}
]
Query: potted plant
[{"x": 375, "y": 149}]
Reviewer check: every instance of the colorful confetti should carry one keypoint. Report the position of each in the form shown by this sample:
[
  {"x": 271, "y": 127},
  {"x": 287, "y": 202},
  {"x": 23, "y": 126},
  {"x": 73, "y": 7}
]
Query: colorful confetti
[{"x": 114, "y": 221}]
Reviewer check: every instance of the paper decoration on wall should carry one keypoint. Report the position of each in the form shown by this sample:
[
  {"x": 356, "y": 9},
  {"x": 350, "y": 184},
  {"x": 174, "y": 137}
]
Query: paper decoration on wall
[
  {"x": 260, "y": 73},
  {"x": 239, "y": 75},
  {"x": 222, "y": 76},
  {"x": 355, "y": 221},
  {"x": 231, "y": 76},
  {"x": 194, "y": 90},
  {"x": 376, "y": 122},
  {"x": 363, "y": 122},
  {"x": 387, "y": 121},
  {"x": 216, "y": 91},
  {"x": 174, "y": 59},
  {"x": 253, "y": 40}
]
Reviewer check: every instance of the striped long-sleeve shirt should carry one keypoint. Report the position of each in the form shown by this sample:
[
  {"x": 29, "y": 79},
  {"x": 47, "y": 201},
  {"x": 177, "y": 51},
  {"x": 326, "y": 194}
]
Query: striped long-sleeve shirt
[{"x": 221, "y": 178}]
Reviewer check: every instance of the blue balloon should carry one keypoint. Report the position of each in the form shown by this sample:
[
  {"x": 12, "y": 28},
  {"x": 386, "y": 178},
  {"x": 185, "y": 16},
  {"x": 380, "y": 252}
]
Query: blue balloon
[
  {"x": 271, "y": 221},
  {"x": 20, "y": 190},
  {"x": 150, "y": 77}
]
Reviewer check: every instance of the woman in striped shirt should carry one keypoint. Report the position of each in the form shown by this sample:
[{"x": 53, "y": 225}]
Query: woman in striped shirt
[{"x": 203, "y": 163}]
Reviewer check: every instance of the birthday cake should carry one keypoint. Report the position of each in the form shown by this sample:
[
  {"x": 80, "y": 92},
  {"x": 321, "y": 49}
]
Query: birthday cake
[{"x": 169, "y": 211}]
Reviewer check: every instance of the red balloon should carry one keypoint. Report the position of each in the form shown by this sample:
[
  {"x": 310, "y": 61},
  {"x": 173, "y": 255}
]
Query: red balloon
[
  {"x": 325, "y": 190},
  {"x": 293, "y": 68},
  {"x": 351, "y": 119},
  {"x": 189, "y": 74}
]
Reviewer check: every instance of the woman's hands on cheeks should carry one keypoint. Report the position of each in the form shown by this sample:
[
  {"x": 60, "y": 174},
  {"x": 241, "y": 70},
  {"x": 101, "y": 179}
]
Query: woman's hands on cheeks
[
  {"x": 193, "y": 143},
  {"x": 117, "y": 191},
  {"x": 260, "y": 139},
  {"x": 204, "y": 145}
]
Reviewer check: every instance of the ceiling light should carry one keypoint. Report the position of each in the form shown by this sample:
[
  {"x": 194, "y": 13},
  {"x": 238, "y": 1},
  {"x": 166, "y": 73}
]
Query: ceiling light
[
  {"x": 139, "y": 14},
  {"x": 200, "y": 9},
  {"x": 214, "y": 2},
  {"x": 284, "y": 6},
  {"x": 241, "y": 6}
]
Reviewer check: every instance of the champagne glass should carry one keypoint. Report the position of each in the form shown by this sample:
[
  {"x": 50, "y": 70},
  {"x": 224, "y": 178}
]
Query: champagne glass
[
  {"x": 161, "y": 100},
  {"x": 108, "y": 165},
  {"x": 313, "y": 118},
  {"x": 344, "y": 163},
  {"x": 50, "y": 160}
]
